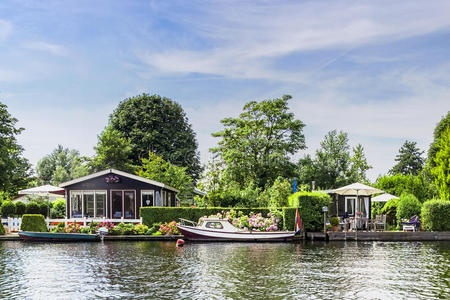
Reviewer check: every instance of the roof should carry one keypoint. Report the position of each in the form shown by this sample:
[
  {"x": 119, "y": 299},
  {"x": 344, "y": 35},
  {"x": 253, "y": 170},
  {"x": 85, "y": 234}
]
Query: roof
[
  {"x": 384, "y": 198},
  {"x": 121, "y": 173},
  {"x": 42, "y": 190}
]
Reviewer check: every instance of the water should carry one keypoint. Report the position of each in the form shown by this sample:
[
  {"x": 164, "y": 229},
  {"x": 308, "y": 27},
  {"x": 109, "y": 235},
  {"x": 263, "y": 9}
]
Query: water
[{"x": 158, "y": 270}]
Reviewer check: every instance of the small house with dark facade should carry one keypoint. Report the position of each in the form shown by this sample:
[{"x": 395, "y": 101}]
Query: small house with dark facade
[{"x": 114, "y": 194}]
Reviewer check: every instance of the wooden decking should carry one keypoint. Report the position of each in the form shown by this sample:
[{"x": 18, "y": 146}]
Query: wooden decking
[{"x": 396, "y": 236}]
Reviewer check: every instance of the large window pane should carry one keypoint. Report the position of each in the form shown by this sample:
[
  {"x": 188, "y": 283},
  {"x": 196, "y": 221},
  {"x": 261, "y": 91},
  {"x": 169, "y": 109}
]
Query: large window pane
[
  {"x": 88, "y": 199},
  {"x": 129, "y": 207},
  {"x": 76, "y": 204},
  {"x": 147, "y": 198},
  {"x": 100, "y": 205},
  {"x": 116, "y": 198},
  {"x": 158, "y": 199},
  {"x": 350, "y": 206}
]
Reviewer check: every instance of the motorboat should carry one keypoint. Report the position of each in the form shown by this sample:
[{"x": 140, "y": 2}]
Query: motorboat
[
  {"x": 217, "y": 229},
  {"x": 58, "y": 237}
]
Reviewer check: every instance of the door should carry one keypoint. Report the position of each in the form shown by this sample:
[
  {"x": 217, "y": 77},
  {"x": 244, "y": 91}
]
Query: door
[
  {"x": 129, "y": 205},
  {"x": 116, "y": 205}
]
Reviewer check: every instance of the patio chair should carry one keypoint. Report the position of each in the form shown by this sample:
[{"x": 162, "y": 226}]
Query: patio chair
[
  {"x": 380, "y": 223},
  {"x": 413, "y": 224}
]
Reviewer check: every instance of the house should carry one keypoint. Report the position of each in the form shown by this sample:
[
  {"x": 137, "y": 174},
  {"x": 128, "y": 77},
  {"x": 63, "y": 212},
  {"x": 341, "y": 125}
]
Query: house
[{"x": 114, "y": 194}]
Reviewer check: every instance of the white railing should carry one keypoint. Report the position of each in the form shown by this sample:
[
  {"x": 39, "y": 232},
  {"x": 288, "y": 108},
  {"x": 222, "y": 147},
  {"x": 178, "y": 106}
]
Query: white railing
[{"x": 13, "y": 224}]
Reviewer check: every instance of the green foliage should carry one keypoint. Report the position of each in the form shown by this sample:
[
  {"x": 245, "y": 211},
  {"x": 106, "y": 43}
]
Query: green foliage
[
  {"x": 156, "y": 168},
  {"x": 113, "y": 151},
  {"x": 2, "y": 229},
  {"x": 377, "y": 208},
  {"x": 435, "y": 145},
  {"x": 390, "y": 210},
  {"x": 441, "y": 171},
  {"x": 158, "y": 124},
  {"x": 123, "y": 229},
  {"x": 399, "y": 184},
  {"x": 277, "y": 195},
  {"x": 256, "y": 146},
  {"x": 409, "y": 160},
  {"x": 15, "y": 170},
  {"x": 310, "y": 208},
  {"x": 334, "y": 221},
  {"x": 20, "y": 208},
  {"x": 153, "y": 229},
  {"x": 435, "y": 215},
  {"x": 408, "y": 206},
  {"x": 140, "y": 229},
  {"x": 33, "y": 222},
  {"x": 61, "y": 227},
  {"x": 61, "y": 165},
  {"x": 33, "y": 208},
  {"x": 333, "y": 165},
  {"x": 44, "y": 208},
  {"x": 8, "y": 209},
  {"x": 59, "y": 209}
]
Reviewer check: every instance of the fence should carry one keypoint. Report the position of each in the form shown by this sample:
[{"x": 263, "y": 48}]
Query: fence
[{"x": 13, "y": 224}]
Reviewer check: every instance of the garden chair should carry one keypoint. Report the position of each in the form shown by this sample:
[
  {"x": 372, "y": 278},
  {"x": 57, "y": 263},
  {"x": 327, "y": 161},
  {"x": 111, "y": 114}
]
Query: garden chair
[
  {"x": 380, "y": 223},
  {"x": 413, "y": 223}
]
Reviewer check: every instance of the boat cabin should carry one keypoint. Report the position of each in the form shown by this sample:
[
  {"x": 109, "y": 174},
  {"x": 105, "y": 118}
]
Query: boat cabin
[{"x": 113, "y": 194}]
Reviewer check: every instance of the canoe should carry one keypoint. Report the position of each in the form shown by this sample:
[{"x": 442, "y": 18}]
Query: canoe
[
  {"x": 216, "y": 230},
  {"x": 57, "y": 237}
]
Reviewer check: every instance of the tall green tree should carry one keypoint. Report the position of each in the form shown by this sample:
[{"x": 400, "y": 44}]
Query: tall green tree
[
  {"x": 156, "y": 168},
  {"x": 409, "y": 160},
  {"x": 333, "y": 164},
  {"x": 15, "y": 170},
  {"x": 256, "y": 146},
  {"x": 61, "y": 165},
  {"x": 441, "y": 171},
  {"x": 114, "y": 151},
  {"x": 398, "y": 184},
  {"x": 443, "y": 124},
  {"x": 159, "y": 125}
]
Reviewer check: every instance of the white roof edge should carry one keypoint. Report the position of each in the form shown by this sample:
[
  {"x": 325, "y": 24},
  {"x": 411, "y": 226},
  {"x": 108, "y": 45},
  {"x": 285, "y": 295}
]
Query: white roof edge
[{"x": 121, "y": 173}]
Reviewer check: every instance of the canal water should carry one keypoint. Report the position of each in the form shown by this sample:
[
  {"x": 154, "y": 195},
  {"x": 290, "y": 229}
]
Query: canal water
[{"x": 159, "y": 270}]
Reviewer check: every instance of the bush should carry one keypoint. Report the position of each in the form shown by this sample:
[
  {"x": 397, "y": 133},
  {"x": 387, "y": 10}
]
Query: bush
[
  {"x": 33, "y": 222},
  {"x": 59, "y": 209},
  {"x": 8, "y": 208},
  {"x": 44, "y": 208},
  {"x": 61, "y": 227},
  {"x": 122, "y": 229},
  {"x": 2, "y": 229},
  {"x": 140, "y": 229},
  {"x": 334, "y": 221},
  {"x": 154, "y": 228},
  {"x": 277, "y": 195},
  {"x": 310, "y": 208},
  {"x": 20, "y": 208},
  {"x": 390, "y": 210},
  {"x": 436, "y": 215},
  {"x": 408, "y": 206},
  {"x": 33, "y": 208}
]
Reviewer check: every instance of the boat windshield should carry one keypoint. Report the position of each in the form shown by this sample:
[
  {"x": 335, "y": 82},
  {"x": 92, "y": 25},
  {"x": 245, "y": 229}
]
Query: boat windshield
[{"x": 214, "y": 225}]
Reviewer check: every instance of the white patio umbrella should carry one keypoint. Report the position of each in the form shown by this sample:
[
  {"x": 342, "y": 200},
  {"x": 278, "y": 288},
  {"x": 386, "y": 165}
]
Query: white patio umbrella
[
  {"x": 384, "y": 198},
  {"x": 357, "y": 189}
]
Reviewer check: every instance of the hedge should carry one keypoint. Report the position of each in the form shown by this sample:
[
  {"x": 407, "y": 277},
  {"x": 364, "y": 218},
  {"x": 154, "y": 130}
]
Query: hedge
[
  {"x": 20, "y": 208},
  {"x": 152, "y": 215},
  {"x": 408, "y": 206},
  {"x": 2, "y": 229},
  {"x": 8, "y": 208},
  {"x": 33, "y": 222},
  {"x": 33, "y": 208},
  {"x": 436, "y": 215},
  {"x": 310, "y": 208}
]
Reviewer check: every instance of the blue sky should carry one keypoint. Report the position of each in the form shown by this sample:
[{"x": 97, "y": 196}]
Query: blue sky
[{"x": 378, "y": 70}]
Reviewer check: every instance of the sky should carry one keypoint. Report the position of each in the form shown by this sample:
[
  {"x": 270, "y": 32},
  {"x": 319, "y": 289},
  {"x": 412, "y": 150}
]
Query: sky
[{"x": 378, "y": 70}]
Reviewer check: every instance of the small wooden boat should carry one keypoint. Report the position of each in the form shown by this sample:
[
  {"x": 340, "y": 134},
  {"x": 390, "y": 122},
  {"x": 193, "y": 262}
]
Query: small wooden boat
[
  {"x": 58, "y": 237},
  {"x": 216, "y": 229}
]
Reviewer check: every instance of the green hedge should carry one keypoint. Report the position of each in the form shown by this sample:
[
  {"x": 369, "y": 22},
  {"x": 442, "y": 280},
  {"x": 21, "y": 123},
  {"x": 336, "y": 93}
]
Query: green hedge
[
  {"x": 20, "y": 208},
  {"x": 408, "y": 206},
  {"x": 8, "y": 209},
  {"x": 436, "y": 215},
  {"x": 310, "y": 208},
  {"x": 33, "y": 222},
  {"x": 2, "y": 229}
]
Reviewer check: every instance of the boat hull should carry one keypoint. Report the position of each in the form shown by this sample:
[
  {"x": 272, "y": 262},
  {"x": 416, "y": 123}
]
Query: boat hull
[
  {"x": 196, "y": 234},
  {"x": 57, "y": 237}
]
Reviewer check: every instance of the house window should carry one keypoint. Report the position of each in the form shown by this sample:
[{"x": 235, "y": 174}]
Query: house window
[
  {"x": 76, "y": 204},
  {"x": 88, "y": 199},
  {"x": 158, "y": 201},
  {"x": 116, "y": 199},
  {"x": 100, "y": 204},
  {"x": 89, "y": 204},
  {"x": 129, "y": 207},
  {"x": 350, "y": 205},
  {"x": 148, "y": 198}
]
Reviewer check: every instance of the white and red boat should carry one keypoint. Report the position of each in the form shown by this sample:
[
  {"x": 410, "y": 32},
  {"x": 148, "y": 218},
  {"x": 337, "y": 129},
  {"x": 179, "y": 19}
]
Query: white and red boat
[{"x": 216, "y": 229}]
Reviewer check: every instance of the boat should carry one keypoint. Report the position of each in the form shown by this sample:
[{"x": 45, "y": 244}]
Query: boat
[
  {"x": 217, "y": 229},
  {"x": 58, "y": 237}
]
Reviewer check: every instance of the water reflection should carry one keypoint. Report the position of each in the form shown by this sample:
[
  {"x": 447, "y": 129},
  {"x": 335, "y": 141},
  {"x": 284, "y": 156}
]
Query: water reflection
[{"x": 365, "y": 270}]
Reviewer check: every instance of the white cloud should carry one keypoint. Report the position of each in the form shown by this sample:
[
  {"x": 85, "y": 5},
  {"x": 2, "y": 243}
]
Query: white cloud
[
  {"x": 47, "y": 47},
  {"x": 5, "y": 29}
]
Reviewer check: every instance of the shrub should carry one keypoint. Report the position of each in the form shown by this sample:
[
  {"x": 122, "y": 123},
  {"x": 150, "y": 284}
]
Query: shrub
[
  {"x": 169, "y": 228},
  {"x": 59, "y": 209},
  {"x": 334, "y": 221},
  {"x": 408, "y": 206},
  {"x": 32, "y": 208},
  {"x": 2, "y": 229},
  {"x": 277, "y": 195},
  {"x": 310, "y": 208},
  {"x": 140, "y": 229},
  {"x": 123, "y": 229},
  {"x": 61, "y": 227},
  {"x": 8, "y": 208},
  {"x": 390, "y": 210},
  {"x": 20, "y": 208},
  {"x": 436, "y": 215},
  {"x": 154, "y": 228},
  {"x": 44, "y": 208},
  {"x": 33, "y": 222},
  {"x": 73, "y": 228},
  {"x": 86, "y": 230}
]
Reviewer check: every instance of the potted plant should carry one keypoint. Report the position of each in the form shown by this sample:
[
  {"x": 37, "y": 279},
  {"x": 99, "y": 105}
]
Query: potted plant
[{"x": 334, "y": 222}]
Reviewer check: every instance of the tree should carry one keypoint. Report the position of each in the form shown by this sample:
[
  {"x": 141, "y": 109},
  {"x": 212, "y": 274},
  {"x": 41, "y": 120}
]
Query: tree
[
  {"x": 441, "y": 171},
  {"x": 61, "y": 165},
  {"x": 409, "y": 160},
  {"x": 159, "y": 125},
  {"x": 256, "y": 146},
  {"x": 333, "y": 165},
  {"x": 399, "y": 184},
  {"x": 434, "y": 147},
  {"x": 113, "y": 151},
  {"x": 15, "y": 170},
  {"x": 156, "y": 168}
]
